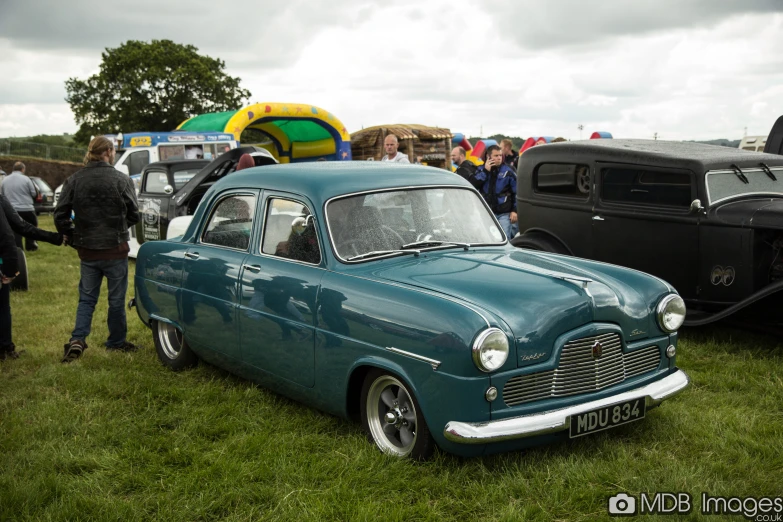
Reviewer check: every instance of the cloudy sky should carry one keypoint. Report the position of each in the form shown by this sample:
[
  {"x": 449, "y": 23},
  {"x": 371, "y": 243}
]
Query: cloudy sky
[{"x": 690, "y": 69}]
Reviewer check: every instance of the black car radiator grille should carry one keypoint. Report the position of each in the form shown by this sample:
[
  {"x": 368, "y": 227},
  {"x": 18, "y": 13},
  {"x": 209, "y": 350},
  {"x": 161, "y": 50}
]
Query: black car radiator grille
[{"x": 579, "y": 371}]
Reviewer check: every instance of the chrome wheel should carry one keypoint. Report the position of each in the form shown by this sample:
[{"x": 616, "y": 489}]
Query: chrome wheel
[
  {"x": 170, "y": 340},
  {"x": 391, "y": 416}
]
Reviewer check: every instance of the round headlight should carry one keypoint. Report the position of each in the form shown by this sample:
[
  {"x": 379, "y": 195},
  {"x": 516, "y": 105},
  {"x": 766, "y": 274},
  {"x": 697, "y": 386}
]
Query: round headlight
[
  {"x": 490, "y": 350},
  {"x": 671, "y": 313}
]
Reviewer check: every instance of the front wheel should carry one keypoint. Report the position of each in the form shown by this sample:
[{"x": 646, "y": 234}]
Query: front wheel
[
  {"x": 392, "y": 418},
  {"x": 172, "y": 349}
]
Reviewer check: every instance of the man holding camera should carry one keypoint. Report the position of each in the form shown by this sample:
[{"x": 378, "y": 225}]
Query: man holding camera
[{"x": 497, "y": 182}]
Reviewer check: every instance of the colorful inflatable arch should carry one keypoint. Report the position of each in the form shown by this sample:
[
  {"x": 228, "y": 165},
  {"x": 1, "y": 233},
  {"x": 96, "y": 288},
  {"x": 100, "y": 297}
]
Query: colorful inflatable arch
[
  {"x": 601, "y": 135},
  {"x": 296, "y": 132}
]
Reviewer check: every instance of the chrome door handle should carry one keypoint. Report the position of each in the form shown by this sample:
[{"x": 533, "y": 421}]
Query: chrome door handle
[
  {"x": 252, "y": 268},
  {"x": 598, "y": 218},
  {"x": 193, "y": 255}
]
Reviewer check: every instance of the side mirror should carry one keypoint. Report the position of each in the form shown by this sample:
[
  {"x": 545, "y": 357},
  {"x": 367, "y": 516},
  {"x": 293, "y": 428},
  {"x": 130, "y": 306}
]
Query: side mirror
[
  {"x": 178, "y": 226},
  {"x": 696, "y": 206},
  {"x": 300, "y": 224},
  {"x": 168, "y": 189}
]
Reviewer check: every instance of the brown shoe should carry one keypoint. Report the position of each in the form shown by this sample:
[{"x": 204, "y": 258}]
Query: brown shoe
[
  {"x": 9, "y": 352},
  {"x": 74, "y": 350}
]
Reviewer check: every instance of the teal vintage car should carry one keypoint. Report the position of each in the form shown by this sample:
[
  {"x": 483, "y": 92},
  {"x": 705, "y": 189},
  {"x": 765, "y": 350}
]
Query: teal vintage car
[{"x": 389, "y": 294}]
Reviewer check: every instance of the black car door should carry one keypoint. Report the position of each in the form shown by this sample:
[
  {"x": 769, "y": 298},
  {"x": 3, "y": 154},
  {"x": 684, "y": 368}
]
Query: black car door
[
  {"x": 642, "y": 220},
  {"x": 154, "y": 199}
]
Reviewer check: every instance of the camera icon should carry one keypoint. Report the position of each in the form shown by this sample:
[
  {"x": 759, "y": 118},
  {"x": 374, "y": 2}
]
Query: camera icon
[{"x": 622, "y": 504}]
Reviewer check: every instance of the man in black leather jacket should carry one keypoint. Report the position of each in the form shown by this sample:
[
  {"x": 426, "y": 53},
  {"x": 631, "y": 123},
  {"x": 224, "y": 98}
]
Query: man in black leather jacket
[
  {"x": 21, "y": 227},
  {"x": 103, "y": 202},
  {"x": 8, "y": 270}
]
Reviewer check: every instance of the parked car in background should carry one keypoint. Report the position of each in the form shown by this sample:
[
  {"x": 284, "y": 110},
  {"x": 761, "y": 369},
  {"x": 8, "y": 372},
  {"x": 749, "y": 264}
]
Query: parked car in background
[
  {"x": 707, "y": 219},
  {"x": 174, "y": 188},
  {"x": 389, "y": 294},
  {"x": 44, "y": 201}
]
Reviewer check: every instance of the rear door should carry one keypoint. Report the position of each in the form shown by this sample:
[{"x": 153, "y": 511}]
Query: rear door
[
  {"x": 642, "y": 221},
  {"x": 154, "y": 200},
  {"x": 211, "y": 274}
]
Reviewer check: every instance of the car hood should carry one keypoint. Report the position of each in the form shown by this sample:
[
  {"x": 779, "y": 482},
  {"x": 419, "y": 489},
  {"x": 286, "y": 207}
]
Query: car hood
[
  {"x": 752, "y": 213},
  {"x": 539, "y": 296}
]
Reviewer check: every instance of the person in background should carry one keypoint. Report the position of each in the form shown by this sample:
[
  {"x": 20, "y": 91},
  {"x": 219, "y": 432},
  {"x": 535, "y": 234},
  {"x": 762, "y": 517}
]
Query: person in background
[
  {"x": 22, "y": 228},
  {"x": 510, "y": 157},
  {"x": 103, "y": 201},
  {"x": 465, "y": 167},
  {"x": 246, "y": 161},
  {"x": 21, "y": 193},
  {"x": 390, "y": 145},
  {"x": 499, "y": 188},
  {"x": 8, "y": 271}
]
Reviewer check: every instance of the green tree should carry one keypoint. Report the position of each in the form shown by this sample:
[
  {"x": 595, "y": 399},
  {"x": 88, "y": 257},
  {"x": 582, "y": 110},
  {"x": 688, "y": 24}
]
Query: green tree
[{"x": 151, "y": 86}]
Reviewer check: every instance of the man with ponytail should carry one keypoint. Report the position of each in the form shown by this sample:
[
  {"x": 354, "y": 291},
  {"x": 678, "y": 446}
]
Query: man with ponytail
[{"x": 103, "y": 203}]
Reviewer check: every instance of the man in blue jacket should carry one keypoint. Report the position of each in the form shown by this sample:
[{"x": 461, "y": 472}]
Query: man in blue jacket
[{"x": 498, "y": 185}]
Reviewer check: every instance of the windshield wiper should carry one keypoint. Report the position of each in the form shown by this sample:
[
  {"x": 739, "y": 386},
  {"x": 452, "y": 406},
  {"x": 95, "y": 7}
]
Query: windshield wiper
[
  {"x": 375, "y": 253},
  {"x": 768, "y": 171},
  {"x": 740, "y": 174},
  {"x": 434, "y": 242}
]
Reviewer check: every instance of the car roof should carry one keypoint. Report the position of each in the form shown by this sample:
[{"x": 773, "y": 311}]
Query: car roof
[
  {"x": 322, "y": 180},
  {"x": 698, "y": 157}
]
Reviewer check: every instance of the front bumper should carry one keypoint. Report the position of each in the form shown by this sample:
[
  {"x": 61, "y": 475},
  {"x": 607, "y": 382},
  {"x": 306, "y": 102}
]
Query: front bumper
[{"x": 558, "y": 420}]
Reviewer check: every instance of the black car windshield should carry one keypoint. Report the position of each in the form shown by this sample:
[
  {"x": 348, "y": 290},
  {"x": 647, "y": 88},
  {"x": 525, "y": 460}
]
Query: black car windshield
[
  {"x": 42, "y": 185},
  {"x": 183, "y": 176},
  {"x": 395, "y": 221},
  {"x": 725, "y": 184}
]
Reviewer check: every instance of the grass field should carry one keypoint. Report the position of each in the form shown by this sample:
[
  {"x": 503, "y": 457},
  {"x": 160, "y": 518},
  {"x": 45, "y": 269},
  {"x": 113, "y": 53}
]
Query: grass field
[{"x": 117, "y": 437}]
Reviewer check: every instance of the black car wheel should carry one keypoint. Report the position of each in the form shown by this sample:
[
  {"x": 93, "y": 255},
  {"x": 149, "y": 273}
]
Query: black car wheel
[
  {"x": 540, "y": 243},
  {"x": 20, "y": 282},
  {"x": 392, "y": 418},
  {"x": 172, "y": 349}
]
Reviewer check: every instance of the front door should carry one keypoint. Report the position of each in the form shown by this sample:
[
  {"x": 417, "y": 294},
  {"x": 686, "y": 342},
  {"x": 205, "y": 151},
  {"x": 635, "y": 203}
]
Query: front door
[
  {"x": 642, "y": 221},
  {"x": 279, "y": 291},
  {"x": 211, "y": 275},
  {"x": 153, "y": 205}
]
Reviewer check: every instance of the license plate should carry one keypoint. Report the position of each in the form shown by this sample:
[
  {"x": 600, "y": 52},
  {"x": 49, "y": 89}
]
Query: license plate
[{"x": 608, "y": 417}]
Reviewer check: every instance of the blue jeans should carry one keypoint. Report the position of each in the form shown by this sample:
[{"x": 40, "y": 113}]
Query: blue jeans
[
  {"x": 509, "y": 228},
  {"x": 93, "y": 272}
]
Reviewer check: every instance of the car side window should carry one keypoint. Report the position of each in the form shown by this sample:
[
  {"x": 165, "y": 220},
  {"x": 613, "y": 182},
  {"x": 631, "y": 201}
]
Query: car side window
[
  {"x": 638, "y": 186},
  {"x": 289, "y": 231},
  {"x": 155, "y": 181},
  {"x": 231, "y": 222},
  {"x": 563, "y": 179},
  {"x": 137, "y": 161}
]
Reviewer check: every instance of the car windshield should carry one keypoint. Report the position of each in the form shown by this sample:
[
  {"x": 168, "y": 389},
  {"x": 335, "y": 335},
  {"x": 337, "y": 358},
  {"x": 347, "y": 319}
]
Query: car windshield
[
  {"x": 42, "y": 185},
  {"x": 726, "y": 184},
  {"x": 395, "y": 222}
]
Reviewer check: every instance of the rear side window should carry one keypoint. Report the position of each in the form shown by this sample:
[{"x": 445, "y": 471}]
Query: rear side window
[
  {"x": 563, "y": 179},
  {"x": 638, "y": 186},
  {"x": 231, "y": 222}
]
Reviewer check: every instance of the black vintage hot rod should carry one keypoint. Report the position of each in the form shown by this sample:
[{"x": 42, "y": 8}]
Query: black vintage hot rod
[{"x": 707, "y": 219}]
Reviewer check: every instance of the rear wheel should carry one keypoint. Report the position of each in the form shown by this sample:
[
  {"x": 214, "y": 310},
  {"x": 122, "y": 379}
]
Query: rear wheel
[
  {"x": 540, "y": 243},
  {"x": 20, "y": 282},
  {"x": 392, "y": 418},
  {"x": 172, "y": 349}
]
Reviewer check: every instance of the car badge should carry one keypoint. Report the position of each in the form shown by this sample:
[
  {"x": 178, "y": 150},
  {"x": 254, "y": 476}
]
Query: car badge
[{"x": 598, "y": 350}]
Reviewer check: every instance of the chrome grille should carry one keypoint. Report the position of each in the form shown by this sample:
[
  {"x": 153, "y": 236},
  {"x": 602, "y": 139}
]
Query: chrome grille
[{"x": 579, "y": 372}]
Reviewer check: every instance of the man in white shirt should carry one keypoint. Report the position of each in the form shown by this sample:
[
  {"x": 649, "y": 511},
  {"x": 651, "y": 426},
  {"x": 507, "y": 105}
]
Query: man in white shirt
[{"x": 390, "y": 144}]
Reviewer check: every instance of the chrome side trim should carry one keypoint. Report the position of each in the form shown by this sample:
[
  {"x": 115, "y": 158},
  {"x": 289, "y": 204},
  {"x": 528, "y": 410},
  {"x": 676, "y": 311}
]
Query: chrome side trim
[
  {"x": 431, "y": 362},
  {"x": 558, "y": 420}
]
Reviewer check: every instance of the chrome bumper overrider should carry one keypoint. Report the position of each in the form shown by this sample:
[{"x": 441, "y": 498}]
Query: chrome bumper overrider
[{"x": 558, "y": 420}]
